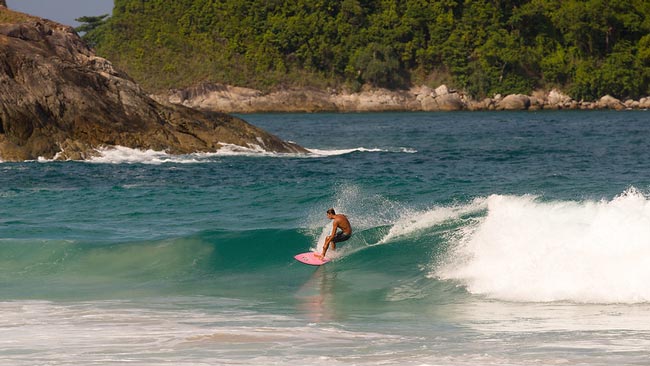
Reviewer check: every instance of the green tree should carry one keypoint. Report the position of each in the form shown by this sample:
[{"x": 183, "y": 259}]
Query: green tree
[
  {"x": 480, "y": 46},
  {"x": 90, "y": 24},
  {"x": 378, "y": 65}
]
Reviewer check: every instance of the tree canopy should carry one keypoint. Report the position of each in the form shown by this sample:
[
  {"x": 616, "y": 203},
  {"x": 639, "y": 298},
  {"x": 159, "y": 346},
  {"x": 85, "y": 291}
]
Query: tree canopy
[{"x": 588, "y": 48}]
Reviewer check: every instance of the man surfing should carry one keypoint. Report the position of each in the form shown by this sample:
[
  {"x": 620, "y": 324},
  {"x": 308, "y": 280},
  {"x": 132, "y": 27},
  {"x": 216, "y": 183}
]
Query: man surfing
[{"x": 340, "y": 223}]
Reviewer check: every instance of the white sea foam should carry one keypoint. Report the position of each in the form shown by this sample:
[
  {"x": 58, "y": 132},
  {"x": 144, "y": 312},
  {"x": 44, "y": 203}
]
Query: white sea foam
[
  {"x": 251, "y": 150},
  {"x": 122, "y": 155},
  {"x": 529, "y": 250},
  {"x": 174, "y": 331},
  {"x": 334, "y": 152}
]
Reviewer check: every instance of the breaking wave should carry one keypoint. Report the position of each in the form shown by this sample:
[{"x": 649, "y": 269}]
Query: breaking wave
[
  {"x": 527, "y": 249},
  {"x": 125, "y": 155}
]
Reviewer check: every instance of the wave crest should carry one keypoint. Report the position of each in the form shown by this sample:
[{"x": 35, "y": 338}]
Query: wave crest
[
  {"x": 529, "y": 250},
  {"x": 126, "y": 155}
]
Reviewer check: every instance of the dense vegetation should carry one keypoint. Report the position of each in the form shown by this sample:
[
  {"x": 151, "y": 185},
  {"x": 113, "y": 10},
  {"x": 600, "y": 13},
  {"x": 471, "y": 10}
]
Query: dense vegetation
[{"x": 588, "y": 48}]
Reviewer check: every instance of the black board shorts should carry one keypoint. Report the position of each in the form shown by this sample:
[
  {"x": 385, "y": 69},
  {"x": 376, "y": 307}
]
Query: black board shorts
[{"x": 341, "y": 236}]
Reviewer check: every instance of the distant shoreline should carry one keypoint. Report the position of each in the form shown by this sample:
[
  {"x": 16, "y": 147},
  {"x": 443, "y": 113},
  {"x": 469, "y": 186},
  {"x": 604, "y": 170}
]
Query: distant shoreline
[{"x": 233, "y": 99}]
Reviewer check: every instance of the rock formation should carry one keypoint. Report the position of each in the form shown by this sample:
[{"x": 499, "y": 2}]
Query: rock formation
[
  {"x": 440, "y": 99},
  {"x": 59, "y": 100},
  {"x": 514, "y": 102},
  {"x": 609, "y": 102},
  {"x": 230, "y": 99}
]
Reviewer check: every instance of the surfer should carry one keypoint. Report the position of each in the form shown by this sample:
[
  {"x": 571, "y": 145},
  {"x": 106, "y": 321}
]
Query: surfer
[{"x": 340, "y": 223}]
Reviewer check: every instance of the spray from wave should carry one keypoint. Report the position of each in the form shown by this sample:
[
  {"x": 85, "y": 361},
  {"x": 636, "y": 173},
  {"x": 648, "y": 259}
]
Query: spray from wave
[
  {"x": 413, "y": 222},
  {"x": 513, "y": 248},
  {"x": 365, "y": 211},
  {"x": 529, "y": 250},
  {"x": 378, "y": 220}
]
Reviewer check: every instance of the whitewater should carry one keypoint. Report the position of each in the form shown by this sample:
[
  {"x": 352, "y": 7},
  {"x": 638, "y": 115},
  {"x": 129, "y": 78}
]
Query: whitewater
[{"x": 479, "y": 238}]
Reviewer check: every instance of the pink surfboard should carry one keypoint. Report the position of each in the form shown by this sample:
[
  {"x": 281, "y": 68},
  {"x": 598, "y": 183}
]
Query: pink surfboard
[{"x": 311, "y": 259}]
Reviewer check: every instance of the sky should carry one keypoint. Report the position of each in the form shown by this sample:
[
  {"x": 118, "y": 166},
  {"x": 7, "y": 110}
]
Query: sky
[{"x": 62, "y": 11}]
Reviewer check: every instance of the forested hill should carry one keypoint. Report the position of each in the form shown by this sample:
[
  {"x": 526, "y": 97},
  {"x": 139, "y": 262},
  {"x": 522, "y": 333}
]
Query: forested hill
[{"x": 588, "y": 48}]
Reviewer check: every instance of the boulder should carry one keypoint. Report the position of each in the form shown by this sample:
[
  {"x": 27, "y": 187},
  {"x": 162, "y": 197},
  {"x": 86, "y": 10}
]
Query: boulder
[
  {"x": 59, "y": 100},
  {"x": 429, "y": 104},
  {"x": 422, "y": 91},
  {"x": 535, "y": 104},
  {"x": 450, "y": 102},
  {"x": 446, "y": 102},
  {"x": 557, "y": 99},
  {"x": 514, "y": 102},
  {"x": 644, "y": 103},
  {"x": 441, "y": 90},
  {"x": 609, "y": 102},
  {"x": 631, "y": 104}
]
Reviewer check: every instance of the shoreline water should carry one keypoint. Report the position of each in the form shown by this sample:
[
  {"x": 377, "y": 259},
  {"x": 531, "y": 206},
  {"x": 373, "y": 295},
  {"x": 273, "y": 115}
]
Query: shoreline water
[{"x": 480, "y": 239}]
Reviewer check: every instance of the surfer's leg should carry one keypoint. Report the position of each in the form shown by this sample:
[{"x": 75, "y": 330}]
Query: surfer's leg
[{"x": 340, "y": 237}]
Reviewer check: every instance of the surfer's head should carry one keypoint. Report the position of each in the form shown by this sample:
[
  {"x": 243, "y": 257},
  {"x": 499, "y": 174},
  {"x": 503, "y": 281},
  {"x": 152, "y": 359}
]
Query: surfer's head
[{"x": 330, "y": 212}]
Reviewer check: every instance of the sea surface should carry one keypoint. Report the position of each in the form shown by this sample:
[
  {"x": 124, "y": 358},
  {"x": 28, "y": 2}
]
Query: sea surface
[{"x": 484, "y": 238}]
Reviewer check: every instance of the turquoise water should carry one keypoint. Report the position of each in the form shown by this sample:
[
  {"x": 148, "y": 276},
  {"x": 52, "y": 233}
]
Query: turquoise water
[{"x": 480, "y": 238}]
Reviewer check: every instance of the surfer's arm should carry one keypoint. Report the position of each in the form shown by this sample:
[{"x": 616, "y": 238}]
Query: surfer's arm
[
  {"x": 328, "y": 240},
  {"x": 335, "y": 225},
  {"x": 325, "y": 246}
]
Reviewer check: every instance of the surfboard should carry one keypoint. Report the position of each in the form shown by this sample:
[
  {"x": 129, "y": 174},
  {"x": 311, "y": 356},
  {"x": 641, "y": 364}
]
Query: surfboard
[{"x": 311, "y": 259}]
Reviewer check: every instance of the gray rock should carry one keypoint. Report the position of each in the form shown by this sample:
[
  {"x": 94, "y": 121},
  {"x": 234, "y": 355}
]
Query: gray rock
[
  {"x": 514, "y": 102},
  {"x": 445, "y": 102},
  {"x": 535, "y": 104},
  {"x": 441, "y": 90},
  {"x": 631, "y": 104},
  {"x": 429, "y": 104},
  {"x": 450, "y": 102},
  {"x": 58, "y": 99},
  {"x": 557, "y": 98},
  {"x": 610, "y": 102},
  {"x": 644, "y": 103}
]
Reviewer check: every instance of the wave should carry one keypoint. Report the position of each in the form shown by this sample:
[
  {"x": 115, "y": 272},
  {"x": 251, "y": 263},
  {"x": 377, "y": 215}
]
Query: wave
[
  {"x": 418, "y": 221},
  {"x": 211, "y": 251},
  {"x": 510, "y": 248},
  {"x": 121, "y": 155},
  {"x": 126, "y": 155},
  {"x": 335, "y": 152},
  {"x": 236, "y": 263},
  {"x": 526, "y": 249}
]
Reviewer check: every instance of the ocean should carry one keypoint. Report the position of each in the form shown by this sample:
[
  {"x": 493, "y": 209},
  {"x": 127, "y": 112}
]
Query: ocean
[{"x": 480, "y": 238}]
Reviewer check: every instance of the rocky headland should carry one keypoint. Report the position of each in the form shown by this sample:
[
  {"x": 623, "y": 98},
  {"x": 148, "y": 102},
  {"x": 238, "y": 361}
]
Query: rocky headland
[
  {"x": 232, "y": 99},
  {"x": 58, "y": 100}
]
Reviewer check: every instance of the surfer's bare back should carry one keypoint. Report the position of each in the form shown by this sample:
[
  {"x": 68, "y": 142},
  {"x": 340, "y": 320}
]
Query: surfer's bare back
[{"x": 342, "y": 223}]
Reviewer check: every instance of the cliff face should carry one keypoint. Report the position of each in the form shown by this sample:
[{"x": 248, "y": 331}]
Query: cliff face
[{"x": 59, "y": 100}]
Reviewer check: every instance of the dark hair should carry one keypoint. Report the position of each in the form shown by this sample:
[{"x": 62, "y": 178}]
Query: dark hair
[{"x": 331, "y": 211}]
